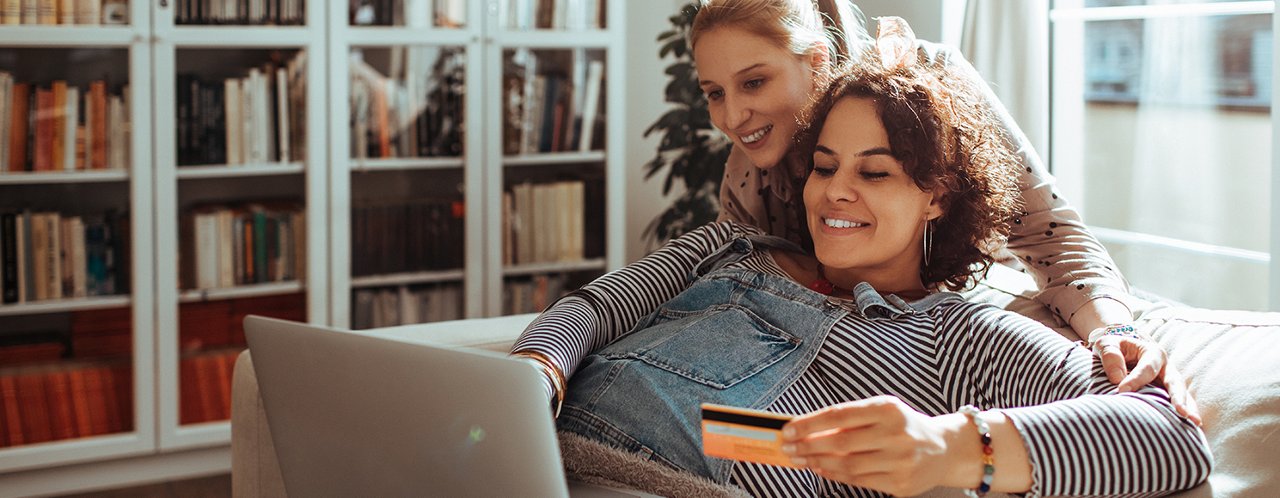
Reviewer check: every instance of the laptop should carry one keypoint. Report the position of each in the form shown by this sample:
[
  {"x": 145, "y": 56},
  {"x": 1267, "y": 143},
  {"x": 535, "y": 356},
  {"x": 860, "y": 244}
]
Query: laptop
[{"x": 357, "y": 415}]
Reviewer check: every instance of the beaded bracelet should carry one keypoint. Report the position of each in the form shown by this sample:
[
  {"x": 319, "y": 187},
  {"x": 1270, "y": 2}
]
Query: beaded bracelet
[
  {"x": 1120, "y": 329},
  {"x": 988, "y": 463}
]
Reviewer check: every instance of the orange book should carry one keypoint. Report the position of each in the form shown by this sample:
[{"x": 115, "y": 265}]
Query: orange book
[
  {"x": 30, "y": 353},
  {"x": 222, "y": 381},
  {"x": 98, "y": 128},
  {"x": 58, "y": 384},
  {"x": 59, "y": 117},
  {"x": 42, "y": 156},
  {"x": 80, "y": 402},
  {"x": 34, "y": 408},
  {"x": 12, "y": 410},
  {"x": 382, "y": 114},
  {"x": 207, "y": 384},
  {"x": 18, "y": 128}
]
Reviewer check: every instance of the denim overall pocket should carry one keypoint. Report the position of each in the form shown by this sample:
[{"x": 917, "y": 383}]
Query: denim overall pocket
[{"x": 718, "y": 347}]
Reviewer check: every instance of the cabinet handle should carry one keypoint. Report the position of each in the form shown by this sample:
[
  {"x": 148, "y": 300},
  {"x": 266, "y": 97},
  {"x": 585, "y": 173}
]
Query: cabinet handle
[{"x": 164, "y": 4}]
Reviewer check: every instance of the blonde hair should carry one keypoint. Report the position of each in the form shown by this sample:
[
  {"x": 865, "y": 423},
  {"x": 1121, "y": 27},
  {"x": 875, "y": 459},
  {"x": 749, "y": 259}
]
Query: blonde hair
[{"x": 796, "y": 25}]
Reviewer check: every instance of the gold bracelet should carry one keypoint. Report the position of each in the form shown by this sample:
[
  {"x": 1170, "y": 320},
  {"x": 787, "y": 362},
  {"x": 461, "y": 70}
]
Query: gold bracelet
[{"x": 558, "y": 384}]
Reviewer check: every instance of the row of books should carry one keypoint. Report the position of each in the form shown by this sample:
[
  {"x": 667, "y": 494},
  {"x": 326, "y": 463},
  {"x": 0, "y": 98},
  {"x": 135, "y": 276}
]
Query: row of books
[
  {"x": 48, "y": 255},
  {"x": 410, "y": 13},
  {"x": 240, "y": 12},
  {"x": 407, "y": 236},
  {"x": 92, "y": 334},
  {"x": 215, "y": 324},
  {"x": 556, "y": 14},
  {"x": 416, "y": 109},
  {"x": 204, "y": 385},
  {"x": 60, "y": 127},
  {"x": 54, "y": 12},
  {"x": 551, "y": 111},
  {"x": 229, "y": 245},
  {"x": 544, "y": 222},
  {"x": 255, "y": 119},
  {"x": 387, "y": 307},
  {"x": 65, "y": 401},
  {"x": 533, "y": 294}
]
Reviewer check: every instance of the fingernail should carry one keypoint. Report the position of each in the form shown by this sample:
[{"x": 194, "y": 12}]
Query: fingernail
[
  {"x": 798, "y": 462},
  {"x": 788, "y": 448},
  {"x": 789, "y": 432}
]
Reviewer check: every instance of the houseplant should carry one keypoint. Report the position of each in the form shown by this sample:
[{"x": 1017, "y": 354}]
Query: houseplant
[{"x": 691, "y": 153}]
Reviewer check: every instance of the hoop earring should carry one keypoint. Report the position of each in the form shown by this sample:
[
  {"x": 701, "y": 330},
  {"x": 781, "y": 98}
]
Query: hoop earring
[{"x": 928, "y": 241}]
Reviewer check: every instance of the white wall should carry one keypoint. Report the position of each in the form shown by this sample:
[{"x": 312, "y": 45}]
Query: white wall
[{"x": 645, "y": 103}]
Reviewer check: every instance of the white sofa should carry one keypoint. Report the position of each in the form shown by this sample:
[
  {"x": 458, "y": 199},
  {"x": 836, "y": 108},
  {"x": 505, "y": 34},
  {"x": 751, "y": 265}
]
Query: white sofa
[{"x": 1234, "y": 373}]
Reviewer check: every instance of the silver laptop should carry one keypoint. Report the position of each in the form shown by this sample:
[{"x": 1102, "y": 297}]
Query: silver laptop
[{"x": 357, "y": 415}]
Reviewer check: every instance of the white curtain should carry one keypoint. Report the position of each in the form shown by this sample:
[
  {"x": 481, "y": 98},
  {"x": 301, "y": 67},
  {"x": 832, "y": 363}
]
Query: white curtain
[{"x": 1007, "y": 41}]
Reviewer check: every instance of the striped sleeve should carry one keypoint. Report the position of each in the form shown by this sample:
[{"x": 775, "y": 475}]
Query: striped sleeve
[
  {"x": 1083, "y": 437},
  {"x": 609, "y": 306}
]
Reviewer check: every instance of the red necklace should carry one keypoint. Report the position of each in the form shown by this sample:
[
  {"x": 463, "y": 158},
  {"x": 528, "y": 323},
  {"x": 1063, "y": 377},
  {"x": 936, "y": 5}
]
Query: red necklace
[{"x": 823, "y": 286}]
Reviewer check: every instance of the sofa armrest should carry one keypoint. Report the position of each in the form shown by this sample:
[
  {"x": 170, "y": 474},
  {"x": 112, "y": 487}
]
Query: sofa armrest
[{"x": 255, "y": 472}]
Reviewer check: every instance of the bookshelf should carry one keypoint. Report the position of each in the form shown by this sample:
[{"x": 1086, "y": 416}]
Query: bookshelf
[
  {"x": 385, "y": 191},
  {"x": 418, "y": 56}
]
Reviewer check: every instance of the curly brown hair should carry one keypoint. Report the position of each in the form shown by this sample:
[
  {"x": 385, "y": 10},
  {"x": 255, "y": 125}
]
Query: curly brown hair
[{"x": 948, "y": 141}]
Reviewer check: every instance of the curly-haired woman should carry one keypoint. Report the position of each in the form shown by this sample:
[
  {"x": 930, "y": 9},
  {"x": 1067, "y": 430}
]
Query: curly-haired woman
[{"x": 898, "y": 385}]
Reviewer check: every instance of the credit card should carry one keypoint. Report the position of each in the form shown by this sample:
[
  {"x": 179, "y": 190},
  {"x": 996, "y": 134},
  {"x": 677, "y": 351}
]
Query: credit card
[{"x": 743, "y": 434}]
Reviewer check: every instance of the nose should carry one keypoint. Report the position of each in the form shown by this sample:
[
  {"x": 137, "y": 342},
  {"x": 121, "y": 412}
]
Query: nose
[
  {"x": 841, "y": 189},
  {"x": 736, "y": 112}
]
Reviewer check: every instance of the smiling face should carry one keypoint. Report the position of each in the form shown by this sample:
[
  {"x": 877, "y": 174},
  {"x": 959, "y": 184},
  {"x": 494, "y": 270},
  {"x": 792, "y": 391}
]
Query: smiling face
[
  {"x": 755, "y": 89},
  {"x": 866, "y": 215}
]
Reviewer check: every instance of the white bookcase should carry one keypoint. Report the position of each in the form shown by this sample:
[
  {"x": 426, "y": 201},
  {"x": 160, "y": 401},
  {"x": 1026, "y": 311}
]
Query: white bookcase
[{"x": 153, "y": 52}]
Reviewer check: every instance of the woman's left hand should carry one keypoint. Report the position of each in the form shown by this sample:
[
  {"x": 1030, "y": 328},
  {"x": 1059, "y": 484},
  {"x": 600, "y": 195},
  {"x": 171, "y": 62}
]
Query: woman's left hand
[
  {"x": 1150, "y": 364},
  {"x": 878, "y": 443}
]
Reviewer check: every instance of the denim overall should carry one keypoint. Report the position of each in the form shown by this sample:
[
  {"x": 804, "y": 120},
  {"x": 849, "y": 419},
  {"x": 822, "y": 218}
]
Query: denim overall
[{"x": 734, "y": 337}]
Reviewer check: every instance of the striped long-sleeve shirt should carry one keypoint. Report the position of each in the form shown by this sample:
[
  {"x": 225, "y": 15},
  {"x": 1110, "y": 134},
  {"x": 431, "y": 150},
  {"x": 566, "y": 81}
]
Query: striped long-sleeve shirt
[{"x": 1082, "y": 436}]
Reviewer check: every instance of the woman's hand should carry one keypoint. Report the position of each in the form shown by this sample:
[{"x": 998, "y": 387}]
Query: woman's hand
[
  {"x": 878, "y": 443},
  {"x": 1150, "y": 364}
]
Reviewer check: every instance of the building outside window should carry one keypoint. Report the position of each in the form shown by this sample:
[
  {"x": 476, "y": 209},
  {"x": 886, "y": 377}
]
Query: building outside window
[{"x": 1161, "y": 134}]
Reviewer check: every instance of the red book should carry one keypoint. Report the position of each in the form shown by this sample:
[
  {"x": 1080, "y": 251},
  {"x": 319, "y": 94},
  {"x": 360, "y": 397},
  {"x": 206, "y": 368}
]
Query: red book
[
  {"x": 59, "y": 117},
  {"x": 18, "y": 128},
  {"x": 95, "y": 394},
  {"x": 12, "y": 412},
  {"x": 203, "y": 325},
  {"x": 80, "y": 411},
  {"x": 102, "y": 333},
  {"x": 58, "y": 383},
  {"x": 189, "y": 391},
  {"x": 123, "y": 375},
  {"x": 34, "y": 407},
  {"x": 110, "y": 405},
  {"x": 30, "y": 353}
]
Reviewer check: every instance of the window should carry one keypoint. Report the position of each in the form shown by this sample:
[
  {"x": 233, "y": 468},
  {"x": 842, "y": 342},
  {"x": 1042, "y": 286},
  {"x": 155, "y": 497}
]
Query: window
[{"x": 1161, "y": 133}]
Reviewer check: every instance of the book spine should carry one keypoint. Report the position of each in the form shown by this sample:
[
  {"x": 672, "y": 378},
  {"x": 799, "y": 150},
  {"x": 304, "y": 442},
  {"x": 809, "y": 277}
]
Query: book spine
[
  {"x": 9, "y": 258},
  {"x": 18, "y": 131}
]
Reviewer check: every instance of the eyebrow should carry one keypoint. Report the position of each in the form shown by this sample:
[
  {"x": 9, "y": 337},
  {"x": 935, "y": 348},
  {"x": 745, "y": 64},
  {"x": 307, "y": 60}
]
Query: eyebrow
[
  {"x": 875, "y": 151},
  {"x": 740, "y": 71}
]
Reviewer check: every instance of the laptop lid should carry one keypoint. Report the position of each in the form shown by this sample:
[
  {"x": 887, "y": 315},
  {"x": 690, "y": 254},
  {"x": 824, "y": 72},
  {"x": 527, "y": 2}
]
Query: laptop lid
[{"x": 357, "y": 415}]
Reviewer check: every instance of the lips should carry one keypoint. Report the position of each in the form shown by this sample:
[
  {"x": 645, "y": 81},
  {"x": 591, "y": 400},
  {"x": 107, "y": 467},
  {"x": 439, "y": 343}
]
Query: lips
[
  {"x": 839, "y": 223},
  {"x": 756, "y": 136}
]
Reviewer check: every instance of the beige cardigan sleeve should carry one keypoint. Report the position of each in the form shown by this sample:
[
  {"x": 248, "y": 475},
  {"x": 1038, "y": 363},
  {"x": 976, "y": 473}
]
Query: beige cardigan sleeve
[{"x": 1049, "y": 238}]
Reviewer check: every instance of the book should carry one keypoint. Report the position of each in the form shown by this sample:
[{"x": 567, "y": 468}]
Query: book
[
  {"x": 18, "y": 130},
  {"x": 6, "y": 115},
  {"x": 10, "y": 13},
  {"x": 34, "y": 407},
  {"x": 97, "y": 106},
  {"x": 61, "y": 417},
  {"x": 9, "y": 257},
  {"x": 591, "y": 104},
  {"x": 12, "y": 409}
]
